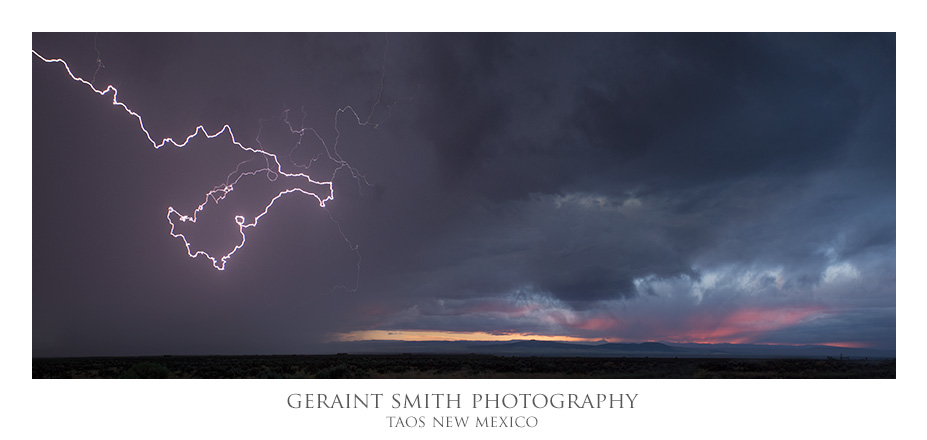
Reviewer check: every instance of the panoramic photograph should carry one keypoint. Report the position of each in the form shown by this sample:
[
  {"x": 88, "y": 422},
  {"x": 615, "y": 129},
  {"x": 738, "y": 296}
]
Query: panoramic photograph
[{"x": 463, "y": 205}]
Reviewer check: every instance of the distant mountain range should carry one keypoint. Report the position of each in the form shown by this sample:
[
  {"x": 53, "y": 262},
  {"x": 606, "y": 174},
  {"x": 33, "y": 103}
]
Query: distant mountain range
[{"x": 608, "y": 349}]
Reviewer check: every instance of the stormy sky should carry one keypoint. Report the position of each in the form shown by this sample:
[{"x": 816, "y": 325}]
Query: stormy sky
[{"x": 629, "y": 187}]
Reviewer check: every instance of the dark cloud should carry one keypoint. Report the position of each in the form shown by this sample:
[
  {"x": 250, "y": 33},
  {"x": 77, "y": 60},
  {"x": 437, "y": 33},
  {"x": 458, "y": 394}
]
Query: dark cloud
[{"x": 600, "y": 185}]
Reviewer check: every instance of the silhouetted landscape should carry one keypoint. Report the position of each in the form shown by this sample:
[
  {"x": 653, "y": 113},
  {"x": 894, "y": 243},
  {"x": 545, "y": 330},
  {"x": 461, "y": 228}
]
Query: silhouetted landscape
[{"x": 514, "y": 360}]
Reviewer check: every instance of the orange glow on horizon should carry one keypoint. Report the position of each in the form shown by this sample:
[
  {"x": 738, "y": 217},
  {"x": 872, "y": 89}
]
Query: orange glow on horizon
[
  {"x": 456, "y": 336},
  {"x": 443, "y": 335},
  {"x": 846, "y": 344},
  {"x": 743, "y": 326}
]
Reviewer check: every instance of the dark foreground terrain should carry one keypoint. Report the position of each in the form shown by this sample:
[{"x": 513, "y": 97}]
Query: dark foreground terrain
[{"x": 425, "y": 366}]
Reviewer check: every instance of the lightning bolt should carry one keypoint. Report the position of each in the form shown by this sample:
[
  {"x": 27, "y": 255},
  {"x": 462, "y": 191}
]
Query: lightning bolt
[{"x": 272, "y": 168}]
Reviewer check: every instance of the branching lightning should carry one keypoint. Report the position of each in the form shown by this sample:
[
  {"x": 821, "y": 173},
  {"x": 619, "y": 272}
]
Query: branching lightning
[
  {"x": 99, "y": 60},
  {"x": 322, "y": 190}
]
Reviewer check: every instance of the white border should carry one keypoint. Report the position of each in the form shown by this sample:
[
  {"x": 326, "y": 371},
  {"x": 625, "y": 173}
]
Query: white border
[{"x": 257, "y": 409}]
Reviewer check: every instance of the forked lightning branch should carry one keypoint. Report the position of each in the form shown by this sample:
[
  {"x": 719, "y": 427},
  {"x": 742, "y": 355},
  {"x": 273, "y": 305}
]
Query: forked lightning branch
[{"x": 321, "y": 191}]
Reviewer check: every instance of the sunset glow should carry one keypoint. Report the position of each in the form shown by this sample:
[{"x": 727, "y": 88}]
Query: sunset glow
[
  {"x": 440, "y": 335},
  {"x": 451, "y": 336},
  {"x": 743, "y": 326}
]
